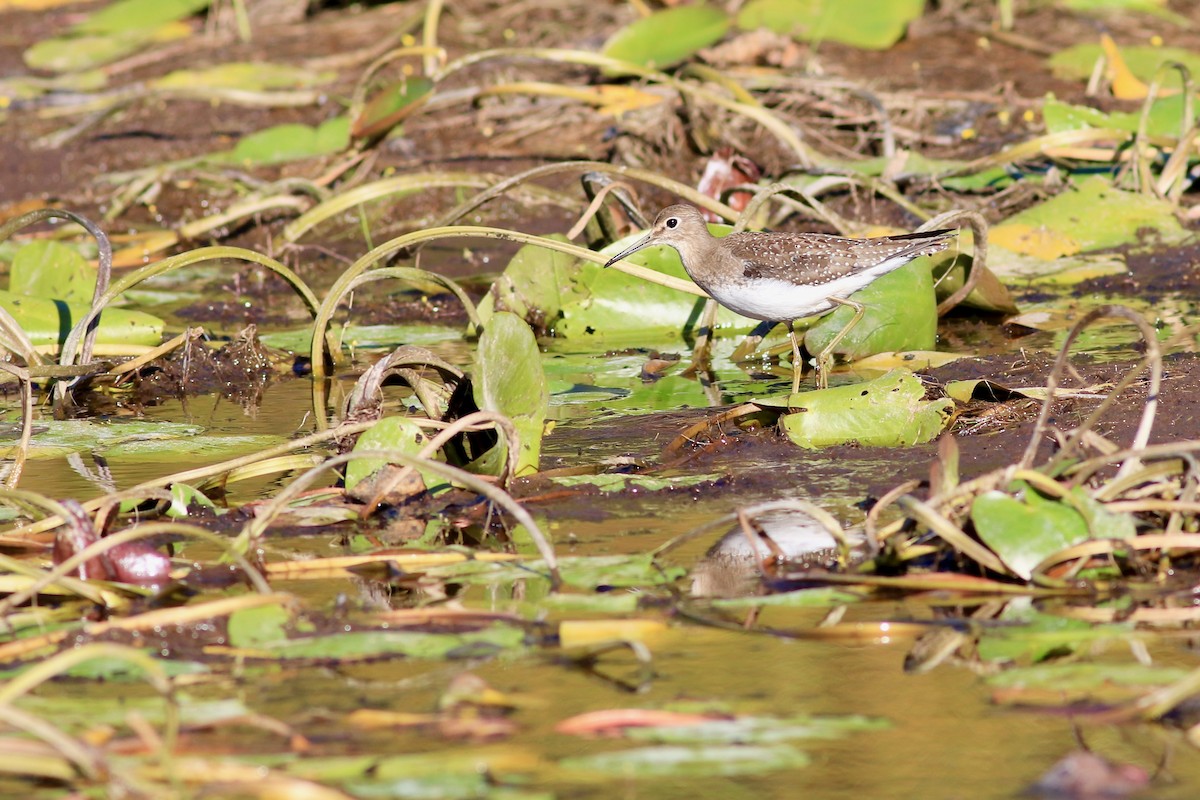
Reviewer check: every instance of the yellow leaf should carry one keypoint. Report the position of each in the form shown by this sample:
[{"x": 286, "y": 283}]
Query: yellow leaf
[
  {"x": 31, "y": 5},
  {"x": 576, "y": 633},
  {"x": 616, "y": 100},
  {"x": 1039, "y": 242},
  {"x": 143, "y": 247},
  {"x": 1125, "y": 85},
  {"x": 172, "y": 31}
]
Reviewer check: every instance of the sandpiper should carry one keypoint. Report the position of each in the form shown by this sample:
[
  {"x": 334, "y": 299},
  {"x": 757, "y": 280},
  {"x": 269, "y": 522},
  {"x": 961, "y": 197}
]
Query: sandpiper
[{"x": 783, "y": 277}]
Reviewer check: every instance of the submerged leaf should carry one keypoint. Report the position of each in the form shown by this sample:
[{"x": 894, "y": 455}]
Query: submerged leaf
[{"x": 681, "y": 761}]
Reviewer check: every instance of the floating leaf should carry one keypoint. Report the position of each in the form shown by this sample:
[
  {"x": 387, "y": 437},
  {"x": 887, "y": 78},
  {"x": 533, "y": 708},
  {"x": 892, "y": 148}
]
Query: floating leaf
[
  {"x": 1084, "y": 676},
  {"x": 989, "y": 293},
  {"x": 509, "y": 379},
  {"x": 1156, "y": 8},
  {"x": 60, "y": 437},
  {"x": 667, "y": 37},
  {"x": 868, "y": 24},
  {"x": 114, "y": 31},
  {"x": 257, "y": 76},
  {"x": 1092, "y": 216},
  {"x": 290, "y": 142},
  {"x": 77, "y": 53},
  {"x": 52, "y": 269},
  {"x": 1077, "y": 62},
  {"x": 1166, "y": 117},
  {"x": 356, "y": 645},
  {"x": 48, "y": 321},
  {"x": 618, "y": 482},
  {"x": 125, "y": 15},
  {"x": 889, "y": 411},
  {"x": 760, "y": 730},
  {"x": 366, "y": 336}
]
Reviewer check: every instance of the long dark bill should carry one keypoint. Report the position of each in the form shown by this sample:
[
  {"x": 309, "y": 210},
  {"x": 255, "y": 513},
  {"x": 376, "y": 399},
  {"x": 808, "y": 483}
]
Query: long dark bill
[{"x": 628, "y": 251}]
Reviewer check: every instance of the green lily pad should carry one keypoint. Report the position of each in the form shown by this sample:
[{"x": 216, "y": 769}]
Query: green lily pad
[
  {"x": 113, "y": 32},
  {"x": 203, "y": 446},
  {"x": 289, "y": 142},
  {"x": 613, "y": 305},
  {"x": 535, "y": 286},
  {"x": 916, "y": 164},
  {"x": 390, "y": 433},
  {"x": 1077, "y": 62},
  {"x": 1043, "y": 635},
  {"x": 759, "y": 730},
  {"x": 257, "y": 76},
  {"x": 508, "y": 379},
  {"x": 48, "y": 321},
  {"x": 60, "y": 437},
  {"x": 1094, "y": 215},
  {"x": 889, "y": 411},
  {"x": 52, "y": 269},
  {"x": 1024, "y": 533},
  {"x": 617, "y": 482},
  {"x": 1166, "y": 117},
  {"x": 124, "y": 15},
  {"x": 366, "y": 336},
  {"x": 1155, "y": 8},
  {"x": 1083, "y": 676},
  {"x": 667, "y": 37},
  {"x": 868, "y": 24},
  {"x": 901, "y": 314},
  {"x": 357, "y": 645},
  {"x": 258, "y": 625}
]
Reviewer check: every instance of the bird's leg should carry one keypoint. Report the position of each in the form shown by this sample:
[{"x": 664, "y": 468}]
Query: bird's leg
[
  {"x": 825, "y": 357},
  {"x": 797, "y": 364},
  {"x": 702, "y": 351}
]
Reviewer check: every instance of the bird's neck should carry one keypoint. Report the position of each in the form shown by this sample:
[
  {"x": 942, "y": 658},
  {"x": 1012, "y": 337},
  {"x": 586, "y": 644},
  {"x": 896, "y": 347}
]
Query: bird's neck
[{"x": 701, "y": 258}]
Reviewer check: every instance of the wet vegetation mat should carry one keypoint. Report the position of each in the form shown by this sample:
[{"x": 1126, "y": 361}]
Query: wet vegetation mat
[{"x": 369, "y": 432}]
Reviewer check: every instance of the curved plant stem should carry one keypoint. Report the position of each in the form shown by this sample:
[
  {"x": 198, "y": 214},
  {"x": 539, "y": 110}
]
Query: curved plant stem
[
  {"x": 385, "y": 250},
  {"x": 256, "y": 528}
]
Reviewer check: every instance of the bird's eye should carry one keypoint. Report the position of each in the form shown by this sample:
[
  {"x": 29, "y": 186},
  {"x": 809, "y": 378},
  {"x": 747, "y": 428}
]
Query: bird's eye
[{"x": 672, "y": 222}]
